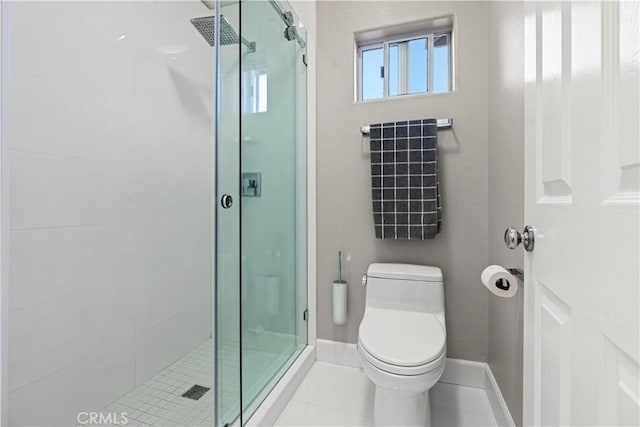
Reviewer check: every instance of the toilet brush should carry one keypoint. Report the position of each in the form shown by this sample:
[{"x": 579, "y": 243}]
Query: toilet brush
[{"x": 340, "y": 296}]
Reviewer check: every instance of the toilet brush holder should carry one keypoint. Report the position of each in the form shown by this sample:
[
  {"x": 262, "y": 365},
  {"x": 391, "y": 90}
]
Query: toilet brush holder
[{"x": 340, "y": 302}]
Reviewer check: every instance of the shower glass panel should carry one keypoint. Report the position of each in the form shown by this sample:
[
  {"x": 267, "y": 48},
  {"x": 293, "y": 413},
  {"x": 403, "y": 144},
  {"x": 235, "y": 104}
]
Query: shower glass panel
[
  {"x": 273, "y": 198},
  {"x": 228, "y": 258},
  {"x": 261, "y": 241}
]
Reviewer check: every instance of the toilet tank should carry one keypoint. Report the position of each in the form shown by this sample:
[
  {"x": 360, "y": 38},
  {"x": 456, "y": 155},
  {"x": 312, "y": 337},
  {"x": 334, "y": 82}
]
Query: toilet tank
[{"x": 405, "y": 287}]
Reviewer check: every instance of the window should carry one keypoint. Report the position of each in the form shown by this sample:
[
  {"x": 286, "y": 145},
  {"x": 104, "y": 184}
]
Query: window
[
  {"x": 254, "y": 91},
  {"x": 404, "y": 65}
]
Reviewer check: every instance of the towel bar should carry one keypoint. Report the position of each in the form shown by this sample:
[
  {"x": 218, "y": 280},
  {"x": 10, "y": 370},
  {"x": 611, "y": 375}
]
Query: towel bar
[{"x": 441, "y": 123}]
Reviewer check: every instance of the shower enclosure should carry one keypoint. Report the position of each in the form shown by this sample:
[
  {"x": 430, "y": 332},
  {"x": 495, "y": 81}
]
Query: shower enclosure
[
  {"x": 157, "y": 190},
  {"x": 261, "y": 191}
]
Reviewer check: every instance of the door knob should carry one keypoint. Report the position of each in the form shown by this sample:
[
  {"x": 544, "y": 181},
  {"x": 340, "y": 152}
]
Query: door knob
[{"x": 512, "y": 238}]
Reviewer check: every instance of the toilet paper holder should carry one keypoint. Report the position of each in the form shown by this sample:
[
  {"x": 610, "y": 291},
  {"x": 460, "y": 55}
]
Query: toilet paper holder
[{"x": 517, "y": 272}]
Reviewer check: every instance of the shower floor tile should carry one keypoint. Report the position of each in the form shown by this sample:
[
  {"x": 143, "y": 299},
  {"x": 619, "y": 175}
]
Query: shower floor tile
[{"x": 159, "y": 401}]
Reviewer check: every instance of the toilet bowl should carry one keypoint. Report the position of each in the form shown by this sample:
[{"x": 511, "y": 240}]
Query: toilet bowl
[{"x": 402, "y": 341}]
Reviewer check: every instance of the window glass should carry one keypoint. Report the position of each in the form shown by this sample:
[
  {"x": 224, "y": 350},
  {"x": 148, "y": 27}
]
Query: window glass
[
  {"x": 414, "y": 64},
  {"x": 417, "y": 66},
  {"x": 441, "y": 63},
  {"x": 393, "y": 70},
  {"x": 254, "y": 91},
  {"x": 262, "y": 93},
  {"x": 372, "y": 74}
]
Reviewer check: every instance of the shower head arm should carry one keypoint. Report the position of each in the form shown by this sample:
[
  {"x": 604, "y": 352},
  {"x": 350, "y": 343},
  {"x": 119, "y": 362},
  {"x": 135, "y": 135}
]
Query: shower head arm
[{"x": 251, "y": 46}]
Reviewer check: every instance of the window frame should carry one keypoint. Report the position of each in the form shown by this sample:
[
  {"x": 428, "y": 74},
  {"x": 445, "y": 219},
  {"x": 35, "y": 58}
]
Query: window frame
[
  {"x": 403, "y": 58},
  {"x": 385, "y": 53}
]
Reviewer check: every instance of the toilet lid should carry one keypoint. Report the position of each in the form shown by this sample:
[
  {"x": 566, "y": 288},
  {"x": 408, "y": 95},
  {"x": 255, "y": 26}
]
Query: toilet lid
[{"x": 403, "y": 338}]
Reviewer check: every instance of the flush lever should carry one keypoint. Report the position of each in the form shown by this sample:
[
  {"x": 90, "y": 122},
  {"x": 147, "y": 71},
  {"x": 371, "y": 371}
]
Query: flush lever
[{"x": 512, "y": 238}]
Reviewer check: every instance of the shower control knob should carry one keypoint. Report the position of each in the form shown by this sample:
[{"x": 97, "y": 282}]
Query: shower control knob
[
  {"x": 226, "y": 201},
  {"x": 512, "y": 238}
]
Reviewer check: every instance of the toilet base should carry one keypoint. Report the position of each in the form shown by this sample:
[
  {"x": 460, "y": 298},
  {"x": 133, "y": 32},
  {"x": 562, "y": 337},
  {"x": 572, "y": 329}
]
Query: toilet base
[{"x": 395, "y": 407}]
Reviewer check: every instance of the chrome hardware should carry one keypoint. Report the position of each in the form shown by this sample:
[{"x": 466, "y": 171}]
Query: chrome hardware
[
  {"x": 290, "y": 32},
  {"x": 517, "y": 272},
  {"x": 441, "y": 124},
  {"x": 287, "y": 17},
  {"x": 364, "y": 280},
  {"x": 512, "y": 238},
  {"x": 251, "y": 184},
  {"x": 226, "y": 201}
]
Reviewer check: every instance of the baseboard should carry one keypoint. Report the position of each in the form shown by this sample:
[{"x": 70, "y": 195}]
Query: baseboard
[
  {"x": 275, "y": 402},
  {"x": 338, "y": 353},
  {"x": 496, "y": 400},
  {"x": 478, "y": 375},
  {"x": 462, "y": 372}
]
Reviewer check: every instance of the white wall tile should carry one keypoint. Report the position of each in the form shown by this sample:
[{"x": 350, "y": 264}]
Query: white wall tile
[
  {"x": 53, "y": 262},
  {"x": 164, "y": 343},
  {"x": 53, "y": 191},
  {"x": 170, "y": 270},
  {"x": 85, "y": 386},
  {"x": 70, "y": 290},
  {"x": 51, "y": 336},
  {"x": 110, "y": 130}
]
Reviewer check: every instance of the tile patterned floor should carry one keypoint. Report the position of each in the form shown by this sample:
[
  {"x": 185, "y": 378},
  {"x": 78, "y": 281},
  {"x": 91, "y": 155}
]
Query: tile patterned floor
[
  {"x": 333, "y": 395},
  {"x": 330, "y": 395},
  {"x": 159, "y": 402}
]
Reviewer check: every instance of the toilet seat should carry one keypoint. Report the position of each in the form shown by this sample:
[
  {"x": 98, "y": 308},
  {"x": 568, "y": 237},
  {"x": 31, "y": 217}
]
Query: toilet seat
[{"x": 402, "y": 342}]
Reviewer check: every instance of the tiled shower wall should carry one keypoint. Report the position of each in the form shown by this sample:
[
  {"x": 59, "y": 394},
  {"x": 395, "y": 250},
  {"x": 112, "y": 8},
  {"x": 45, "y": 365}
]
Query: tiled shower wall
[{"x": 109, "y": 111}]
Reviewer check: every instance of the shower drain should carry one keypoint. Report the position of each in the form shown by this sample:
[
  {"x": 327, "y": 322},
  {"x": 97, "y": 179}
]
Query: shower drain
[{"x": 196, "y": 392}]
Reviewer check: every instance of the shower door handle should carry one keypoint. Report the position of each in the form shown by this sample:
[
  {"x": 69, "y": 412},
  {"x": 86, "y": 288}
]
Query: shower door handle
[{"x": 226, "y": 201}]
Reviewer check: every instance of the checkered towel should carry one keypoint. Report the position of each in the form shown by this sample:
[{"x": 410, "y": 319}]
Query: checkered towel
[{"x": 405, "y": 187}]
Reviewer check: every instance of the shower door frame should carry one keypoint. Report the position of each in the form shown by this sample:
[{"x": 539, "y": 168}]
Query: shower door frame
[{"x": 4, "y": 241}]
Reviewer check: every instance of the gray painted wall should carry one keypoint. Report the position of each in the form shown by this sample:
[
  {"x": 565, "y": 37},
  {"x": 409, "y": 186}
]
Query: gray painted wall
[
  {"x": 506, "y": 184},
  {"x": 343, "y": 181}
]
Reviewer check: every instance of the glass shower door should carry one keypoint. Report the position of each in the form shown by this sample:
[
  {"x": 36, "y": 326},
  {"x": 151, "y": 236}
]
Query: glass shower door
[
  {"x": 273, "y": 197},
  {"x": 261, "y": 272}
]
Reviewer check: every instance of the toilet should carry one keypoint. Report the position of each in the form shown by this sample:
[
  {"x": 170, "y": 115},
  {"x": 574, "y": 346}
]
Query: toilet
[{"x": 402, "y": 340}]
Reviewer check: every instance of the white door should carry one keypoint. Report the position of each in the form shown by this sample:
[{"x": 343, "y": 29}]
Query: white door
[{"x": 582, "y": 197}]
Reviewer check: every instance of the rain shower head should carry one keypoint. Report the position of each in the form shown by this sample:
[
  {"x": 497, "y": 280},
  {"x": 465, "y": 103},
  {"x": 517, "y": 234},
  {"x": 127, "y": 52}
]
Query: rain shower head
[{"x": 206, "y": 26}]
